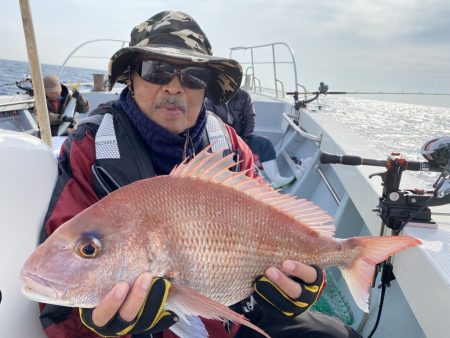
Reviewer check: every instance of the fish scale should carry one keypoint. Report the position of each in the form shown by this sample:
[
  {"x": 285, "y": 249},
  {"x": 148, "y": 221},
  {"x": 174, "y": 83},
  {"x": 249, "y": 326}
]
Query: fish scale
[{"x": 206, "y": 244}]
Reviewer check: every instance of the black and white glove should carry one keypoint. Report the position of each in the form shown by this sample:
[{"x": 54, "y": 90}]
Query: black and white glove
[
  {"x": 269, "y": 297},
  {"x": 75, "y": 94},
  {"x": 68, "y": 119},
  {"x": 151, "y": 318}
]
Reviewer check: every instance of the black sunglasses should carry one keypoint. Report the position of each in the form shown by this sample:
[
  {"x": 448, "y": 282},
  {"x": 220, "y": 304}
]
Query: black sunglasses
[{"x": 161, "y": 73}]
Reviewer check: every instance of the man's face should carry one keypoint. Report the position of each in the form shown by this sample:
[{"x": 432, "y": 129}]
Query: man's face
[
  {"x": 52, "y": 95},
  {"x": 172, "y": 106}
]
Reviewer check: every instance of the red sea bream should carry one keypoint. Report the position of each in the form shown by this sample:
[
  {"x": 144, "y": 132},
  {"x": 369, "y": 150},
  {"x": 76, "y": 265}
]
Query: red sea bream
[{"x": 209, "y": 230}]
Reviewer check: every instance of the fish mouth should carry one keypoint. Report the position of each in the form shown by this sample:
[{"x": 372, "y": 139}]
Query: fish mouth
[{"x": 38, "y": 288}]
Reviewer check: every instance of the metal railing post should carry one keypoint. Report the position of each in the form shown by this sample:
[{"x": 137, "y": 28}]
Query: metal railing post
[
  {"x": 274, "y": 70},
  {"x": 253, "y": 70}
]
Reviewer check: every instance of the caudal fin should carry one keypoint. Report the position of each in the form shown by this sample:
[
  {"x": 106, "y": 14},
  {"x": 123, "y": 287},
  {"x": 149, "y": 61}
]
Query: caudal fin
[
  {"x": 359, "y": 272},
  {"x": 187, "y": 303}
]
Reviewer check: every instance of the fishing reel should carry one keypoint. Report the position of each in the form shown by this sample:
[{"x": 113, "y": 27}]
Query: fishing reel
[
  {"x": 26, "y": 85},
  {"x": 302, "y": 104},
  {"x": 398, "y": 207},
  {"x": 437, "y": 152},
  {"x": 322, "y": 90}
]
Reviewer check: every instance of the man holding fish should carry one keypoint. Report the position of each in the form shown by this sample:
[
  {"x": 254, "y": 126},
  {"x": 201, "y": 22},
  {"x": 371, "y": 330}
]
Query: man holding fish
[{"x": 158, "y": 122}]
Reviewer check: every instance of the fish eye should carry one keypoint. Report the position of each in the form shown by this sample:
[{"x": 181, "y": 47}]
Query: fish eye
[{"x": 89, "y": 248}]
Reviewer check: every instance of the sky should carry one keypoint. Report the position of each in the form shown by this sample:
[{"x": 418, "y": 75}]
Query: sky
[{"x": 351, "y": 45}]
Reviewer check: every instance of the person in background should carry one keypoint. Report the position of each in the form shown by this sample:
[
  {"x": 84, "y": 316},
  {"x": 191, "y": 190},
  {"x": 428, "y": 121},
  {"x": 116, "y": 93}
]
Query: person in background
[
  {"x": 158, "y": 121},
  {"x": 58, "y": 98},
  {"x": 239, "y": 113}
]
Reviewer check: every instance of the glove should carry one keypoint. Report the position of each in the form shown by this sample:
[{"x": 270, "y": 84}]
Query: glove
[
  {"x": 76, "y": 94},
  {"x": 151, "y": 318},
  {"x": 272, "y": 299},
  {"x": 68, "y": 119}
]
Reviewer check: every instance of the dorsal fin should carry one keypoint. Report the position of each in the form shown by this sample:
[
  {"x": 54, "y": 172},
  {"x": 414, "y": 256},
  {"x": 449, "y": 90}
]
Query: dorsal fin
[{"x": 212, "y": 167}]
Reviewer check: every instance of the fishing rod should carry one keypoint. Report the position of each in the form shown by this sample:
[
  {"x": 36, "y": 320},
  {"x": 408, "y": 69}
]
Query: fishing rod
[
  {"x": 381, "y": 93},
  {"x": 7, "y": 84},
  {"x": 24, "y": 84},
  {"x": 397, "y": 207},
  {"x": 323, "y": 89}
]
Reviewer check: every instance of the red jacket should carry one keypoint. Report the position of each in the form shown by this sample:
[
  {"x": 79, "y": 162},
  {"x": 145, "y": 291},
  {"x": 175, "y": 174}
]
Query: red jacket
[{"x": 74, "y": 192}]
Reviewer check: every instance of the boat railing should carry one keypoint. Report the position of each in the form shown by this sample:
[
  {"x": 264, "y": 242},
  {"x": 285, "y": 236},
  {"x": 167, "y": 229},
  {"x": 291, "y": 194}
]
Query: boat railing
[
  {"x": 15, "y": 114},
  {"x": 94, "y": 41},
  {"x": 252, "y": 81},
  {"x": 16, "y": 102},
  {"x": 282, "y": 87},
  {"x": 250, "y": 78},
  {"x": 290, "y": 119},
  {"x": 278, "y": 86}
]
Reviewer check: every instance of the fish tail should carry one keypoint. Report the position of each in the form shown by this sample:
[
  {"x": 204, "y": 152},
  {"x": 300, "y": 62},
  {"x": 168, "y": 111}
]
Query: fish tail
[
  {"x": 187, "y": 303},
  {"x": 360, "y": 271}
]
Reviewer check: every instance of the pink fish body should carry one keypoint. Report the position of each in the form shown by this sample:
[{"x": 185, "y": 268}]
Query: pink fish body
[{"x": 210, "y": 230}]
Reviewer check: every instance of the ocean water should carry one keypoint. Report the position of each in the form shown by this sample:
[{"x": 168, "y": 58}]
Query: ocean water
[
  {"x": 392, "y": 126},
  {"x": 12, "y": 71}
]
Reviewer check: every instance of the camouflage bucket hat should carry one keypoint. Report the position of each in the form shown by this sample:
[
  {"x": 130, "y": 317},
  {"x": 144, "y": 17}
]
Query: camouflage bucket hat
[{"x": 176, "y": 38}]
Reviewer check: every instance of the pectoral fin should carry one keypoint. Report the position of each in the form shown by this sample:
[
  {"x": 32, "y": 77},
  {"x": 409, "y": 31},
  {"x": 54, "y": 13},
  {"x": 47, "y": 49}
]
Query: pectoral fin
[{"x": 187, "y": 304}]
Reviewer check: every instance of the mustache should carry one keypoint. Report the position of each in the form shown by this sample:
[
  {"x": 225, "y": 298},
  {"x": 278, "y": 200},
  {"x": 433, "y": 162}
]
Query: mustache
[{"x": 172, "y": 101}]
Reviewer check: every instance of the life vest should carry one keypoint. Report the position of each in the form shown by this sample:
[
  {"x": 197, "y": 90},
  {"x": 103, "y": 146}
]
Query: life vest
[{"x": 118, "y": 145}]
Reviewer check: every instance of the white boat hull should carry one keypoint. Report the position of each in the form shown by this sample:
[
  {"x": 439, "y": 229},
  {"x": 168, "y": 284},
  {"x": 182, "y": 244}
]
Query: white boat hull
[{"x": 28, "y": 172}]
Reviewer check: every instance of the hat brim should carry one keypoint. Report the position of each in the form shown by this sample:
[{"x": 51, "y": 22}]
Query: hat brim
[{"x": 226, "y": 73}]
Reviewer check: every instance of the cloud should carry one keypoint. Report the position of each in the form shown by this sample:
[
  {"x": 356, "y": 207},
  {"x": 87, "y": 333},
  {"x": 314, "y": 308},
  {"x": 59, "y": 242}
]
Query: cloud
[
  {"x": 389, "y": 21},
  {"x": 352, "y": 43}
]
